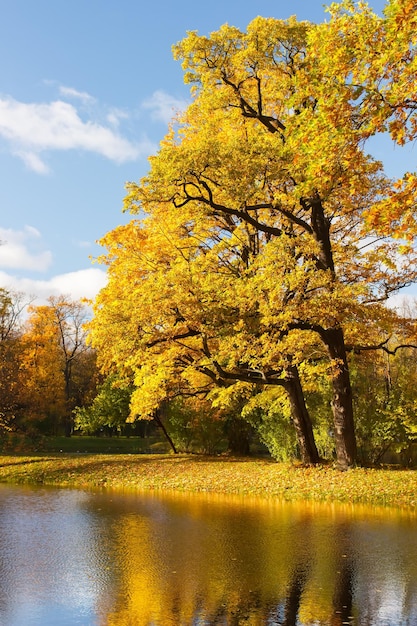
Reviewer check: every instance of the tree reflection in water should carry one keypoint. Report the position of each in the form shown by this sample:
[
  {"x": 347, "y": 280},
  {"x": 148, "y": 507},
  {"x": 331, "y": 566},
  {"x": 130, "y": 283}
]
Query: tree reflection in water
[
  {"x": 295, "y": 591},
  {"x": 148, "y": 560},
  {"x": 285, "y": 565},
  {"x": 345, "y": 569}
]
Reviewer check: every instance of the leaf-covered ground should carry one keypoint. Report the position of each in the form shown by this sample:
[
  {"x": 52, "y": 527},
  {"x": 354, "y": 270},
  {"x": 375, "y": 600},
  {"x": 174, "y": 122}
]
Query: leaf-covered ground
[{"x": 257, "y": 477}]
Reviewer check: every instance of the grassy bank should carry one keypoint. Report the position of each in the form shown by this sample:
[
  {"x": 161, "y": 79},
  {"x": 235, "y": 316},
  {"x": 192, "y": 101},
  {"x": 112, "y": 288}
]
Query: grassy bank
[
  {"x": 260, "y": 477},
  {"x": 105, "y": 445}
]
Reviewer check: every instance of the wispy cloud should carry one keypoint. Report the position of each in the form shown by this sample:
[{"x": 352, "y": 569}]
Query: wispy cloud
[
  {"x": 164, "y": 107},
  {"x": 35, "y": 128},
  {"x": 32, "y": 161},
  {"x": 83, "y": 243},
  {"x": 70, "y": 92},
  {"x": 22, "y": 250},
  {"x": 115, "y": 116}
]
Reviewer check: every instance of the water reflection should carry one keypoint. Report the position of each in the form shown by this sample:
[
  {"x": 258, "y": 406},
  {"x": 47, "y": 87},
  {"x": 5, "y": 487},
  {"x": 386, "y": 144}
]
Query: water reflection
[{"x": 108, "y": 559}]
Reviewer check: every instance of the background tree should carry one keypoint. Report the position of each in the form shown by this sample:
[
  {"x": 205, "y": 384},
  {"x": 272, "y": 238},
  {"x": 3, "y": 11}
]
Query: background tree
[
  {"x": 70, "y": 317},
  {"x": 195, "y": 426},
  {"x": 41, "y": 371},
  {"x": 108, "y": 411},
  {"x": 12, "y": 305},
  {"x": 386, "y": 404},
  {"x": 57, "y": 365}
]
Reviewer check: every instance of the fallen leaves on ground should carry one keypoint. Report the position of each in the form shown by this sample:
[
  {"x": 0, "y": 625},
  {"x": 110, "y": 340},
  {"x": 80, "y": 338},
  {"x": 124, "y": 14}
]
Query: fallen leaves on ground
[{"x": 226, "y": 475}]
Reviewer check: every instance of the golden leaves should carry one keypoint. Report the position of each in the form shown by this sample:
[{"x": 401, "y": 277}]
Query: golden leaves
[{"x": 252, "y": 237}]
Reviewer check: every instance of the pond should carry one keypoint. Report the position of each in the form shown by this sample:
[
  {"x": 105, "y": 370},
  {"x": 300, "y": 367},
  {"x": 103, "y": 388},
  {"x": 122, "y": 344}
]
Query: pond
[{"x": 86, "y": 558}]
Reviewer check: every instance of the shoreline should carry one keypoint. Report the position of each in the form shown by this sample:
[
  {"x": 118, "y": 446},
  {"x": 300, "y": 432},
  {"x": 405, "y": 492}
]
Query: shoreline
[{"x": 390, "y": 487}]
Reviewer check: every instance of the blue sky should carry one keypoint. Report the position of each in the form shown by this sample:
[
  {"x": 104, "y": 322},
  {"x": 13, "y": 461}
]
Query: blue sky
[{"x": 87, "y": 88}]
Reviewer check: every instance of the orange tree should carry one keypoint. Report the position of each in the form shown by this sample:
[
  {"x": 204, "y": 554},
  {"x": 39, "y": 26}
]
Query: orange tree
[
  {"x": 43, "y": 385},
  {"x": 57, "y": 369},
  {"x": 254, "y": 262}
]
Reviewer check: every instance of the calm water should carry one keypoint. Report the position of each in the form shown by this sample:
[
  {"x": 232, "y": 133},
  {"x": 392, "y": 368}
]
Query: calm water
[{"x": 81, "y": 558}]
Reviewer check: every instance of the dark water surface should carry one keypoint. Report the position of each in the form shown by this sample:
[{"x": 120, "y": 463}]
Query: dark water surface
[{"x": 108, "y": 559}]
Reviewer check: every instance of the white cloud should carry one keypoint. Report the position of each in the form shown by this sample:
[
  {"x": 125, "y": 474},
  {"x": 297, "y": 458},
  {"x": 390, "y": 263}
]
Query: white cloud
[
  {"x": 32, "y": 129},
  {"x": 22, "y": 250},
  {"x": 69, "y": 92},
  {"x": 19, "y": 249},
  {"x": 163, "y": 106},
  {"x": 32, "y": 161},
  {"x": 81, "y": 284},
  {"x": 115, "y": 115}
]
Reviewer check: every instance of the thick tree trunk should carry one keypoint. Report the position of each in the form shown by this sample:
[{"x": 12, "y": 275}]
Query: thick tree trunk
[
  {"x": 238, "y": 437},
  {"x": 344, "y": 427},
  {"x": 301, "y": 418},
  {"x": 68, "y": 425}
]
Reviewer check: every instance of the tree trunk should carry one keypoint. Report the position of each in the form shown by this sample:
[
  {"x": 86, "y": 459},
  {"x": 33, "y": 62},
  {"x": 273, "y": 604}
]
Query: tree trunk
[
  {"x": 301, "y": 418},
  {"x": 68, "y": 425},
  {"x": 160, "y": 423},
  {"x": 344, "y": 427},
  {"x": 344, "y": 430},
  {"x": 238, "y": 437}
]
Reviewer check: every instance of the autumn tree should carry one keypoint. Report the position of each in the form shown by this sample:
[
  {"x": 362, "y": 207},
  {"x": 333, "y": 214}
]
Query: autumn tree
[
  {"x": 254, "y": 265},
  {"x": 43, "y": 382},
  {"x": 57, "y": 364},
  {"x": 12, "y": 305},
  {"x": 376, "y": 63},
  {"x": 172, "y": 291},
  {"x": 315, "y": 178},
  {"x": 69, "y": 318}
]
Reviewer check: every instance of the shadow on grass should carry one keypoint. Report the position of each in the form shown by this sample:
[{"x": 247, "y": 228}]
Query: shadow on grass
[
  {"x": 101, "y": 469},
  {"x": 23, "y": 462},
  {"x": 230, "y": 458}
]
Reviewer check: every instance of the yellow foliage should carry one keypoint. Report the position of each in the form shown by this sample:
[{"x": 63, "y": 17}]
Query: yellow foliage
[
  {"x": 264, "y": 228},
  {"x": 41, "y": 365}
]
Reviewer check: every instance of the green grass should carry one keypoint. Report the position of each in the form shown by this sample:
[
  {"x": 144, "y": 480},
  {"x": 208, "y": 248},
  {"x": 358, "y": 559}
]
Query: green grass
[
  {"x": 105, "y": 445},
  {"x": 221, "y": 475}
]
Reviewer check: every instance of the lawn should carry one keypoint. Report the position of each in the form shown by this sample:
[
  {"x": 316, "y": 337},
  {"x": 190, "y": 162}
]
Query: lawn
[
  {"x": 105, "y": 445},
  {"x": 223, "y": 475}
]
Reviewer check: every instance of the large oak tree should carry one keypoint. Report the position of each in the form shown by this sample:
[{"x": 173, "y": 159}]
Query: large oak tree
[{"x": 261, "y": 252}]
